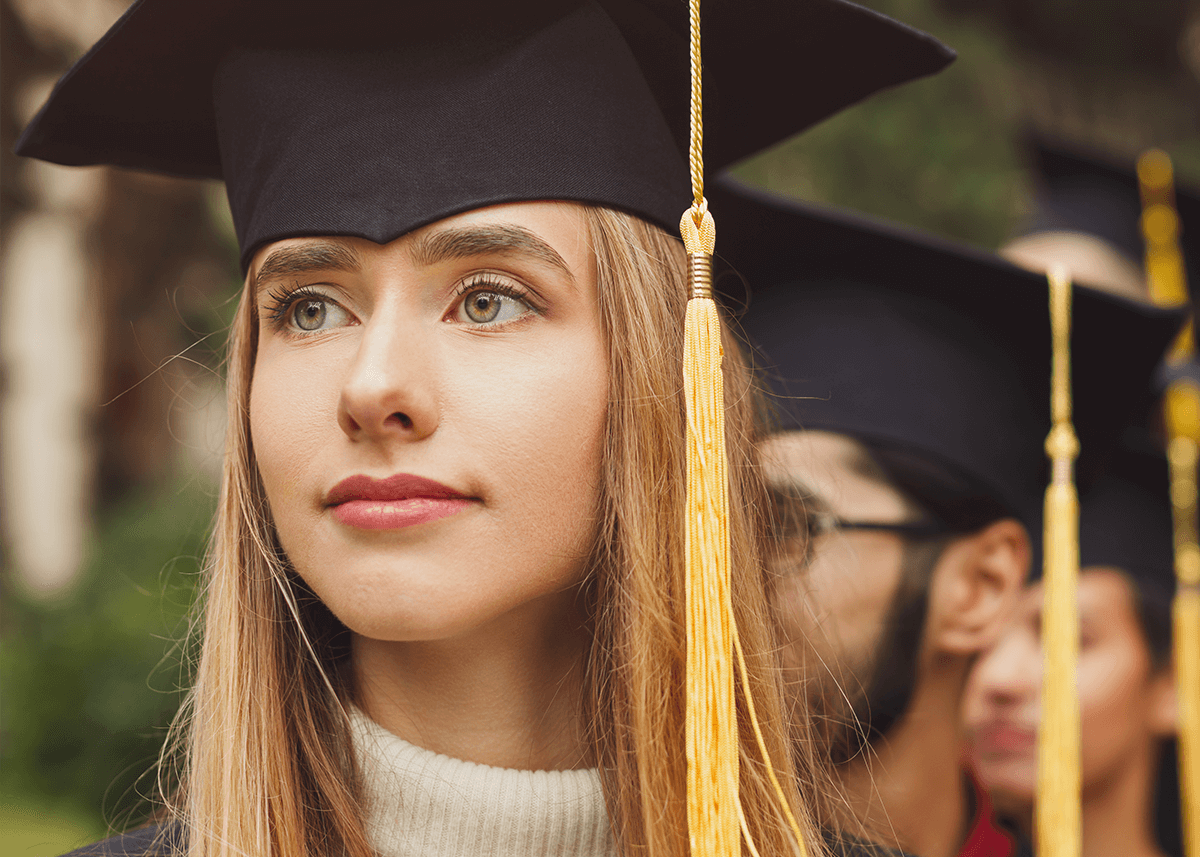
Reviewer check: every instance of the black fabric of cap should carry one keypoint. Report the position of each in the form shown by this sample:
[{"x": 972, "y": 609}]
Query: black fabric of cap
[
  {"x": 372, "y": 119},
  {"x": 1086, "y": 192},
  {"x": 1125, "y": 520},
  {"x": 900, "y": 338}
]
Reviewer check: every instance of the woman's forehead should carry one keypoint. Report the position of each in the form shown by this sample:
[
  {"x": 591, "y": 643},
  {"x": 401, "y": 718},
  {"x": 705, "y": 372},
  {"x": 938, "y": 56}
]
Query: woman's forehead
[{"x": 553, "y": 234}]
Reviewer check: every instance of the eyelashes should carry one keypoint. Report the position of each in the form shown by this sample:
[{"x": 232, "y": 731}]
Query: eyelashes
[
  {"x": 484, "y": 302},
  {"x": 497, "y": 302},
  {"x": 283, "y": 298}
]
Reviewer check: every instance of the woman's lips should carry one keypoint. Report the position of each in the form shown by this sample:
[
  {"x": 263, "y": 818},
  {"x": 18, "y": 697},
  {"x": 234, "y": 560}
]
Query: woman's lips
[
  {"x": 399, "y": 501},
  {"x": 1002, "y": 738}
]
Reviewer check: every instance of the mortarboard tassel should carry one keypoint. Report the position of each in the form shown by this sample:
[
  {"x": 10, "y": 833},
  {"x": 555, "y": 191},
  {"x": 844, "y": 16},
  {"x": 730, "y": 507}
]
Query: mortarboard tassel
[
  {"x": 713, "y": 742},
  {"x": 1058, "y": 819},
  {"x": 1168, "y": 285}
]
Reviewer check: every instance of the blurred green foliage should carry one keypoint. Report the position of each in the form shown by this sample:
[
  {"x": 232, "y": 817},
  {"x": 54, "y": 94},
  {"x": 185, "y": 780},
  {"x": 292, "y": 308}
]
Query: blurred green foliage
[
  {"x": 31, "y": 828},
  {"x": 92, "y": 680},
  {"x": 945, "y": 153},
  {"x": 939, "y": 153}
]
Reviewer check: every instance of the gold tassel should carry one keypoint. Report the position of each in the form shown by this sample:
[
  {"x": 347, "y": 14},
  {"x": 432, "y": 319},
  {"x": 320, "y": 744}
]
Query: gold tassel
[
  {"x": 715, "y": 815},
  {"x": 1058, "y": 819},
  {"x": 711, "y": 717},
  {"x": 1166, "y": 276}
]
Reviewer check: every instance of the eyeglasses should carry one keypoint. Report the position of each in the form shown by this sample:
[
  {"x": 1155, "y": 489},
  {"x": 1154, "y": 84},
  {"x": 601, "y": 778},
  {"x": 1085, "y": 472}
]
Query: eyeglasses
[
  {"x": 799, "y": 528},
  {"x": 796, "y": 522},
  {"x": 822, "y": 523}
]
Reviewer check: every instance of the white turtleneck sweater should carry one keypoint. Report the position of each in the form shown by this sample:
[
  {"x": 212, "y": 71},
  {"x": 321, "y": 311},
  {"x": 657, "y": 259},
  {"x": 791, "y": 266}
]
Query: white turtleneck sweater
[{"x": 424, "y": 804}]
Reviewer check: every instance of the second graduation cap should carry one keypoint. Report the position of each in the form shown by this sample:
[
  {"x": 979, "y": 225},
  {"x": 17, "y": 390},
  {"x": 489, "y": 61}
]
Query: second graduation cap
[{"x": 895, "y": 336}]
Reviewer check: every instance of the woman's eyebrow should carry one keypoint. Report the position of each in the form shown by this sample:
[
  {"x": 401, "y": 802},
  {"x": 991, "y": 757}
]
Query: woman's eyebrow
[
  {"x": 305, "y": 258},
  {"x": 466, "y": 241}
]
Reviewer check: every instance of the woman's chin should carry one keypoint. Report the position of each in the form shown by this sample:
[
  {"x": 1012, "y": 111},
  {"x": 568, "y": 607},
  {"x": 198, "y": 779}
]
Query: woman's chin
[
  {"x": 1012, "y": 783},
  {"x": 427, "y": 616},
  {"x": 414, "y": 607}
]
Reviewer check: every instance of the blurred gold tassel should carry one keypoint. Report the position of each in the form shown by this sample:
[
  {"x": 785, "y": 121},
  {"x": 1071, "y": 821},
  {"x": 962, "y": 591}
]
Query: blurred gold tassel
[
  {"x": 715, "y": 816},
  {"x": 1058, "y": 820},
  {"x": 1165, "y": 274}
]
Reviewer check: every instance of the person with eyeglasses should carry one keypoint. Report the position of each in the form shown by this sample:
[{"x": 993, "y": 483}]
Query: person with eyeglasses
[{"x": 911, "y": 401}]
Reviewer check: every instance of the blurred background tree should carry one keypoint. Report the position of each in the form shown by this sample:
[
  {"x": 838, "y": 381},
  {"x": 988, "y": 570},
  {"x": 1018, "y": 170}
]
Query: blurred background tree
[
  {"x": 946, "y": 153},
  {"x": 91, "y": 667}
]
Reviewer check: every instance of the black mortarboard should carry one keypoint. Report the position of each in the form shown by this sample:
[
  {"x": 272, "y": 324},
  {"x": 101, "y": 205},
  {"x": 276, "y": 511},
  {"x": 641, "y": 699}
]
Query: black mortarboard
[
  {"x": 903, "y": 339},
  {"x": 1080, "y": 191},
  {"x": 1125, "y": 520},
  {"x": 372, "y": 119}
]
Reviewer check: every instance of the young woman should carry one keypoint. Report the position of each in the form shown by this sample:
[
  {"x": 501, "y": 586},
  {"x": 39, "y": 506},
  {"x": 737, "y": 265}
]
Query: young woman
[
  {"x": 1126, "y": 689},
  {"x": 444, "y": 611}
]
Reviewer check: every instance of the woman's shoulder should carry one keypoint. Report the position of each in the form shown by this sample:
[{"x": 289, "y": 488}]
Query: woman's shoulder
[{"x": 158, "y": 840}]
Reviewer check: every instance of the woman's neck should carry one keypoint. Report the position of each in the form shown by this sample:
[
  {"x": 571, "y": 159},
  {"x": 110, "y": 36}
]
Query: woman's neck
[
  {"x": 507, "y": 694},
  {"x": 1117, "y": 812}
]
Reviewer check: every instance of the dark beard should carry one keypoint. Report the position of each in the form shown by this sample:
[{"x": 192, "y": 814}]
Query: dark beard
[{"x": 887, "y": 680}]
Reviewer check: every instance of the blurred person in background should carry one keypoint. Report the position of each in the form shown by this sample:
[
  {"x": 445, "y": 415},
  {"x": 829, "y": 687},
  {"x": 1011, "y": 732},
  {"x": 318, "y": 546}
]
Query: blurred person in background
[
  {"x": 1086, "y": 215},
  {"x": 444, "y": 282},
  {"x": 1127, "y": 692},
  {"x": 911, "y": 379}
]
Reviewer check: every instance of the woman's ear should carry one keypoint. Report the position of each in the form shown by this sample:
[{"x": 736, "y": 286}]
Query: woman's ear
[
  {"x": 1163, "y": 703},
  {"x": 975, "y": 587}
]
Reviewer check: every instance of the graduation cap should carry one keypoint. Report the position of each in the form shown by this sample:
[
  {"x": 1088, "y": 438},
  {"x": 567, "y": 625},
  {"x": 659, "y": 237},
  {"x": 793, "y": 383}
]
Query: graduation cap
[
  {"x": 899, "y": 338},
  {"x": 907, "y": 340},
  {"x": 372, "y": 119},
  {"x": 1087, "y": 192}
]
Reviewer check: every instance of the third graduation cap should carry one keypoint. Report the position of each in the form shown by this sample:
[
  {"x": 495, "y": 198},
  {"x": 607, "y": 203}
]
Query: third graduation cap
[
  {"x": 1080, "y": 191},
  {"x": 372, "y": 119},
  {"x": 896, "y": 337}
]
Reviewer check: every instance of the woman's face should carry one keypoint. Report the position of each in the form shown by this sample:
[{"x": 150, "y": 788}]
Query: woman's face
[
  {"x": 427, "y": 416},
  {"x": 1124, "y": 702}
]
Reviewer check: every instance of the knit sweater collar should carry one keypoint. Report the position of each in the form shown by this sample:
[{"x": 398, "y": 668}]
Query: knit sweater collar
[{"x": 423, "y": 803}]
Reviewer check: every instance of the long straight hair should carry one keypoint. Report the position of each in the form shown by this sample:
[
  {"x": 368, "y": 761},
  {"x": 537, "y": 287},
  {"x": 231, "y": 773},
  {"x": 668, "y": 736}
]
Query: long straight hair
[{"x": 268, "y": 767}]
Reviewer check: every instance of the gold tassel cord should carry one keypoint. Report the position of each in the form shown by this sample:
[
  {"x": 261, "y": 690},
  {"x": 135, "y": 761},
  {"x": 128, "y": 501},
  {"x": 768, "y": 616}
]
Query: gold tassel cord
[
  {"x": 716, "y": 821},
  {"x": 711, "y": 717},
  {"x": 1058, "y": 820},
  {"x": 1166, "y": 277}
]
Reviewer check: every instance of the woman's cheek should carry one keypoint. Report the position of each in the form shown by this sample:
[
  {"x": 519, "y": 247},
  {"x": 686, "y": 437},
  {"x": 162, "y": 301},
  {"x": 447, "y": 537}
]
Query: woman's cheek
[
  {"x": 293, "y": 411},
  {"x": 1112, "y": 716}
]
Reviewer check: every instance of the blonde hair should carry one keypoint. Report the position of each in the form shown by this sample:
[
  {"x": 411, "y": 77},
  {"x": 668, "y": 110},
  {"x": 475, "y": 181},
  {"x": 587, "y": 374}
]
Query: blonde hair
[{"x": 268, "y": 768}]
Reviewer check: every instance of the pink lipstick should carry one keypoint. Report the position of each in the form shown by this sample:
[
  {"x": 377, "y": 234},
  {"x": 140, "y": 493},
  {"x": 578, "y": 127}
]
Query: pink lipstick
[
  {"x": 1002, "y": 738},
  {"x": 399, "y": 501}
]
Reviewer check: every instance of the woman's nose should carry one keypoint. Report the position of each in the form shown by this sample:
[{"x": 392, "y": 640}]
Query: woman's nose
[
  {"x": 1010, "y": 672},
  {"x": 390, "y": 390}
]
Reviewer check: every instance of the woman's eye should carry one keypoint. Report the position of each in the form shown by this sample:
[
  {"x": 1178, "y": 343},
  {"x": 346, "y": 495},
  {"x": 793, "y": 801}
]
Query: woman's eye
[
  {"x": 482, "y": 306},
  {"x": 313, "y": 314}
]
